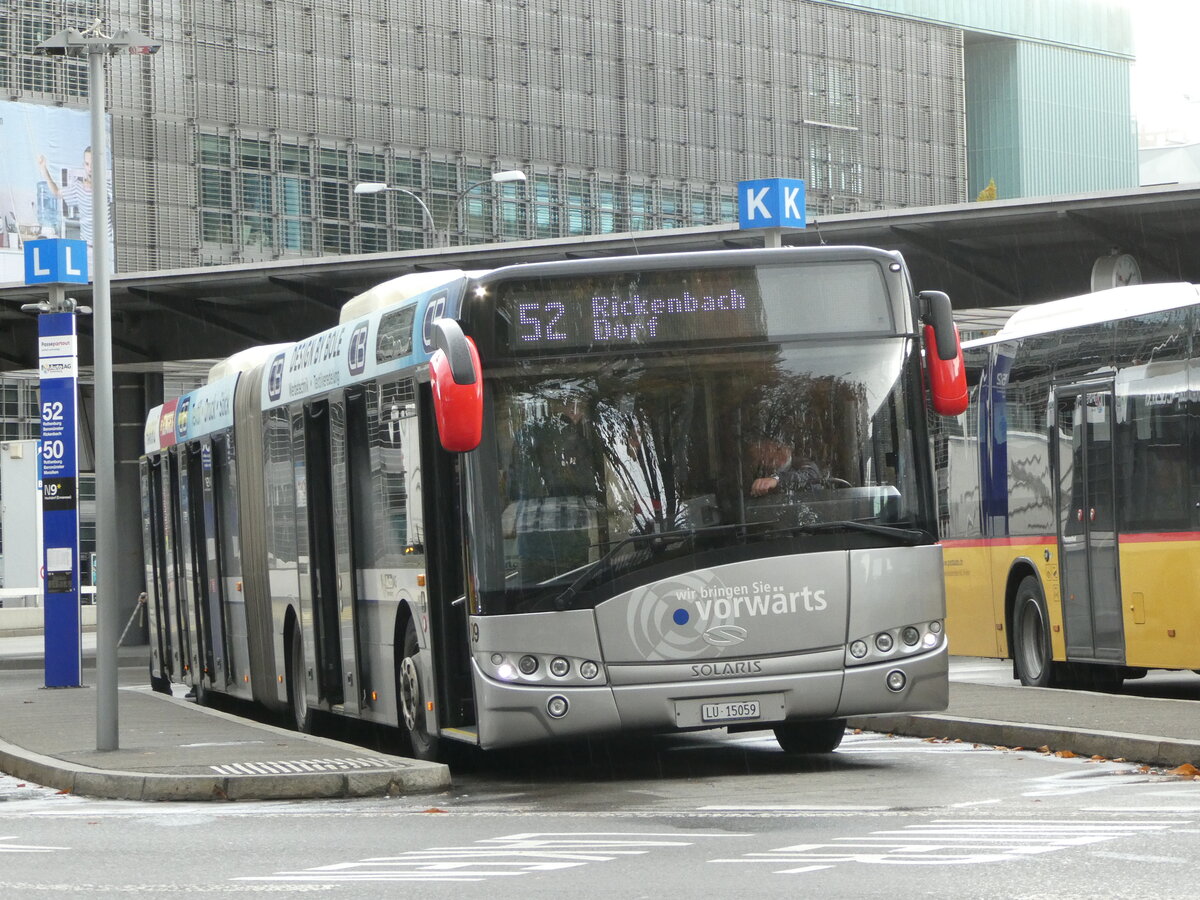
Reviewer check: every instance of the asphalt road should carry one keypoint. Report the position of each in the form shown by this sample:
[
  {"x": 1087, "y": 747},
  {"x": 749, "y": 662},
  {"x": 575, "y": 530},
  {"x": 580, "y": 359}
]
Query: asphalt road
[{"x": 704, "y": 815}]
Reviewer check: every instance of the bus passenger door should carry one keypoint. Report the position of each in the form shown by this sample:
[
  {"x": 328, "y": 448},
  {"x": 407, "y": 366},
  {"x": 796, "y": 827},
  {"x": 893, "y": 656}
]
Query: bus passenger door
[
  {"x": 441, "y": 500},
  {"x": 317, "y": 495},
  {"x": 1087, "y": 531},
  {"x": 340, "y": 521},
  {"x": 155, "y": 568},
  {"x": 181, "y": 526}
]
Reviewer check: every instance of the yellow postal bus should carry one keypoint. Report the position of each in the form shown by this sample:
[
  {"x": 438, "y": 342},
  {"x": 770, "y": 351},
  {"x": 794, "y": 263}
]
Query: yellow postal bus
[{"x": 1069, "y": 491}]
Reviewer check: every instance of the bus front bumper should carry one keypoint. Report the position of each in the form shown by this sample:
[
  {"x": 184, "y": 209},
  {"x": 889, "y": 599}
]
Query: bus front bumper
[{"x": 514, "y": 714}]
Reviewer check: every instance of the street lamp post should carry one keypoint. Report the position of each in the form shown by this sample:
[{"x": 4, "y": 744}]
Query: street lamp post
[
  {"x": 93, "y": 43},
  {"x": 375, "y": 187}
]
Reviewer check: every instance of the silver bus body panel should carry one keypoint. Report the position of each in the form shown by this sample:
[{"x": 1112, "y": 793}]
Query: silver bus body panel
[
  {"x": 895, "y": 586},
  {"x": 773, "y": 631},
  {"x": 754, "y": 608}
]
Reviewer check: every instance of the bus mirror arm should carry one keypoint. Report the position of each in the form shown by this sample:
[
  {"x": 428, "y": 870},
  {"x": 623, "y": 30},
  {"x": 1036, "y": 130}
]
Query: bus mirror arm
[
  {"x": 937, "y": 311},
  {"x": 449, "y": 338}
]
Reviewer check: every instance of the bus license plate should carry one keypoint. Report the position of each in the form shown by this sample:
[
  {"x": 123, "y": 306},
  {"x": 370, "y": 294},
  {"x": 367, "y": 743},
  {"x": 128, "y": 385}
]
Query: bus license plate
[{"x": 730, "y": 711}]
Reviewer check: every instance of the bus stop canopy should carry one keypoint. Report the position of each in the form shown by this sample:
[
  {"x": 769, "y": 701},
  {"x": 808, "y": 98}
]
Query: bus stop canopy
[{"x": 989, "y": 257}]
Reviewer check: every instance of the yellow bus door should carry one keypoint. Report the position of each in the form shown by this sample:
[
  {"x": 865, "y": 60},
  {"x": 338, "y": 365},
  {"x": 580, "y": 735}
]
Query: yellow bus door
[{"x": 1087, "y": 529}]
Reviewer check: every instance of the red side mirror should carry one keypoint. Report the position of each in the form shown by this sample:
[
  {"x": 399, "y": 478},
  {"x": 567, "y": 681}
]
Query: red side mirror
[
  {"x": 947, "y": 377},
  {"x": 457, "y": 388}
]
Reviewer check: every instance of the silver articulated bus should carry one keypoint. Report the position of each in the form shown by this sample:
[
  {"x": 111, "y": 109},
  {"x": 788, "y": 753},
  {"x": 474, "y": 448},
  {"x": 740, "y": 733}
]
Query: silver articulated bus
[{"x": 568, "y": 499}]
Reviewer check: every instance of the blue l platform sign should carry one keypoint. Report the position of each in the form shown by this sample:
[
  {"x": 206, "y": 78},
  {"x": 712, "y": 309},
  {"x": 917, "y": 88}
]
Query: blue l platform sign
[
  {"x": 54, "y": 263},
  {"x": 771, "y": 203}
]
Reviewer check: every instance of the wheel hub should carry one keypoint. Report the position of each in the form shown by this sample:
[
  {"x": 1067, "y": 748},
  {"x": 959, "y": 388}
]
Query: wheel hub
[{"x": 410, "y": 692}]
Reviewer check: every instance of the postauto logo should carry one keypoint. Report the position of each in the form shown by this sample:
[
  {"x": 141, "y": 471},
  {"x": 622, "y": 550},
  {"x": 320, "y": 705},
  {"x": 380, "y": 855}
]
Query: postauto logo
[{"x": 684, "y": 617}]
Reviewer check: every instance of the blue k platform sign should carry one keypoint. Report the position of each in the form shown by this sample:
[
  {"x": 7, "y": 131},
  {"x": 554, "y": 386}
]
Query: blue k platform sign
[
  {"x": 771, "y": 203},
  {"x": 56, "y": 261}
]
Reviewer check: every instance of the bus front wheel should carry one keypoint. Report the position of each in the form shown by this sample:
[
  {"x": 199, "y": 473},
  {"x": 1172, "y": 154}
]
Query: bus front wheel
[
  {"x": 1031, "y": 636},
  {"x": 810, "y": 737},
  {"x": 414, "y": 694}
]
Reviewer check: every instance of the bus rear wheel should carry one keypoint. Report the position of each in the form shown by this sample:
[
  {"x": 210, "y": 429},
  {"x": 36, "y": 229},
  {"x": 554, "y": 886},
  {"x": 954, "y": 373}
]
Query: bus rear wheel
[
  {"x": 302, "y": 717},
  {"x": 810, "y": 737},
  {"x": 414, "y": 694},
  {"x": 1032, "y": 656}
]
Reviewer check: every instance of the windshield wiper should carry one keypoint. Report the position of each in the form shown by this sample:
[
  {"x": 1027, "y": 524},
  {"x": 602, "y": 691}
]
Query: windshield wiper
[
  {"x": 908, "y": 535},
  {"x": 664, "y": 537}
]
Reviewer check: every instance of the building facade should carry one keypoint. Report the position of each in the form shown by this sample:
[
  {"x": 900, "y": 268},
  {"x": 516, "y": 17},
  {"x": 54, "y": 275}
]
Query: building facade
[{"x": 243, "y": 138}]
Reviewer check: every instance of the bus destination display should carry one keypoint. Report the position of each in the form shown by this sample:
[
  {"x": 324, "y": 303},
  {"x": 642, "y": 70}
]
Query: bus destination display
[{"x": 657, "y": 307}]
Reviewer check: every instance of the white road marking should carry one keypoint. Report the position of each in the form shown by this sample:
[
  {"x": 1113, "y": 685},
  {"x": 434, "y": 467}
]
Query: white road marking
[
  {"x": 1132, "y": 857},
  {"x": 25, "y": 848},
  {"x": 516, "y": 854},
  {"x": 792, "y": 808},
  {"x": 947, "y": 842}
]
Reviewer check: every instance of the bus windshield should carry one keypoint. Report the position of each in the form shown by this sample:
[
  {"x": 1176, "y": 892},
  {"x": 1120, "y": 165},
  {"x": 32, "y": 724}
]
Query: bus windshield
[{"x": 615, "y": 471}]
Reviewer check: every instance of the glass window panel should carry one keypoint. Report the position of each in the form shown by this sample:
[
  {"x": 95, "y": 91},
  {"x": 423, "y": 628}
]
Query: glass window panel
[
  {"x": 216, "y": 227},
  {"x": 295, "y": 196},
  {"x": 216, "y": 188},
  {"x": 335, "y": 200},
  {"x": 371, "y": 167},
  {"x": 333, "y": 163},
  {"x": 294, "y": 159},
  {"x": 254, "y": 154},
  {"x": 256, "y": 191}
]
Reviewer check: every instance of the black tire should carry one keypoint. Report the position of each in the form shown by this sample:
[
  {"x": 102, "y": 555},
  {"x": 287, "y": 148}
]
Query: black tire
[
  {"x": 1033, "y": 660},
  {"x": 297, "y": 688},
  {"x": 160, "y": 684},
  {"x": 810, "y": 737},
  {"x": 412, "y": 695}
]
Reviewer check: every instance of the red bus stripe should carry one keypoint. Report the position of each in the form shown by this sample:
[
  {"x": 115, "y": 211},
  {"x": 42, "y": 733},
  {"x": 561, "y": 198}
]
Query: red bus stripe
[
  {"x": 1039, "y": 540},
  {"x": 1035, "y": 540}
]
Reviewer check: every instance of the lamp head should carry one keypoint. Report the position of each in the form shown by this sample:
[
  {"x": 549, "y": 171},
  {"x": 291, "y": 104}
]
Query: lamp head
[
  {"x": 68, "y": 42},
  {"x": 369, "y": 187},
  {"x": 135, "y": 42},
  {"x": 510, "y": 175}
]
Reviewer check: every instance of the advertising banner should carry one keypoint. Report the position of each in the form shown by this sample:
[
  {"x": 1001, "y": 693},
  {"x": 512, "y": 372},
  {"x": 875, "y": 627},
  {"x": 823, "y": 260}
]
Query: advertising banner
[{"x": 45, "y": 179}]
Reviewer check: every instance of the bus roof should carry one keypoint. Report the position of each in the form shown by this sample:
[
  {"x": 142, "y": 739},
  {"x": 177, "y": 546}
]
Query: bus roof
[
  {"x": 1089, "y": 309},
  {"x": 395, "y": 291}
]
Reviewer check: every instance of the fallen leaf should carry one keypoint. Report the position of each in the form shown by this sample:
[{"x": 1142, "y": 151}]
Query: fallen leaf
[
  {"x": 1187, "y": 769},
  {"x": 433, "y": 809},
  {"x": 1043, "y": 749},
  {"x": 1065, "y": 754}
]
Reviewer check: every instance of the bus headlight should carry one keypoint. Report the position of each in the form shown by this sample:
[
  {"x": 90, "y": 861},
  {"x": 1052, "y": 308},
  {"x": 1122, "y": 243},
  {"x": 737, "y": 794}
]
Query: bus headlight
[
  {"x": 559, "y": 667},
  {"x": 528, "y": 664},
  {"x": 884, "y": 642},
  {"x": 557, "y": 706},
  {"x": 910, "y": 635},
  {"x": 589, "y": 669},
  {"x": 858, "y": 649},
  {"x": 896, "y": 680}
]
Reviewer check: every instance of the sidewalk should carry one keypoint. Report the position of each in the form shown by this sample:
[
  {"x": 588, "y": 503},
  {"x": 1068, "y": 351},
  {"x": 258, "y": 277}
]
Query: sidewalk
[
  {"x": 1114, "y": 726},
  {"x": 173, "y": 749}
]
